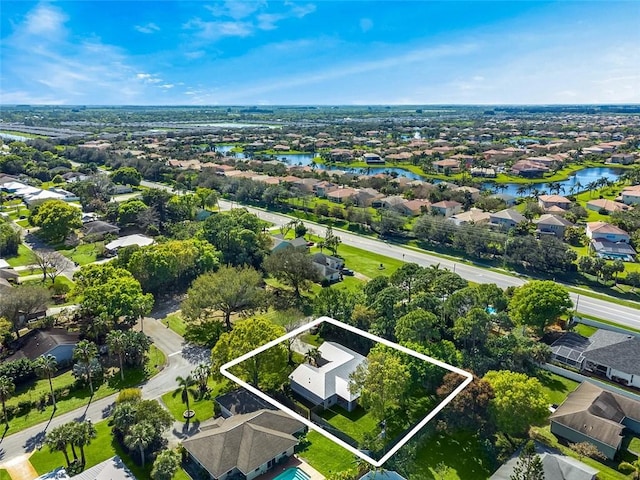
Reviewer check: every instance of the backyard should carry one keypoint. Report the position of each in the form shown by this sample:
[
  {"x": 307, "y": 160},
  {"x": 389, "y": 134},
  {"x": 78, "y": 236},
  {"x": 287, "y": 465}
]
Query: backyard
[
  {"x": 356, "y": 424},
  {"x": 325, "y": 456}
]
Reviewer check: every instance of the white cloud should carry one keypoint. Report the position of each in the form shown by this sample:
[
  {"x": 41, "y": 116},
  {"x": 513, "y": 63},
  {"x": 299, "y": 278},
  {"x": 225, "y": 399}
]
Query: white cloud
[
  {"x": 147, "y": 28},
  {"x": 216, "y": 30},
  {"x": 236, "y": 9},
  {"x": 44, "y": 20}
]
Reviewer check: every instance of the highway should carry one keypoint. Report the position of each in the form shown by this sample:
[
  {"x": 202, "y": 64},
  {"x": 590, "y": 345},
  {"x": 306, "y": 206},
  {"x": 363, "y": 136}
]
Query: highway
[{"x": 595, "y": 307}]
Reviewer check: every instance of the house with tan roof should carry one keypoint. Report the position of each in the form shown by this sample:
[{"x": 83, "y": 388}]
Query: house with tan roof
[
  {"x": 606, "y": 231},
  {"x": 443, "y": 166},
  {"x": 507, "y": 219},
  {"x": 547, "y": 201},
  {"x": 552, "y": 225},
  {"x": 341, "y": 195},
  {"x": 474, "y": 216},
  {"x": 606, "y": 204},
  {"x": 597, "y": 416},
  {"x": 631, "y": 195},
  {"x": 528, "y": 169},
  {"x": 446, "y": 208},
  {"x": 418, "y": 206}
]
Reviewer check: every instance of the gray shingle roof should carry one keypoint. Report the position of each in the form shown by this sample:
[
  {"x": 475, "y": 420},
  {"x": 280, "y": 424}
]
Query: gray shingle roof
[{"x": 616, "y": 350}]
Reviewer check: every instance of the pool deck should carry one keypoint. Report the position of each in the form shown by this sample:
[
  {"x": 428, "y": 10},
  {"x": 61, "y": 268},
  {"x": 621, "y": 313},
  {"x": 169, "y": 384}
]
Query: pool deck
[{"x": 293, "y": 462}]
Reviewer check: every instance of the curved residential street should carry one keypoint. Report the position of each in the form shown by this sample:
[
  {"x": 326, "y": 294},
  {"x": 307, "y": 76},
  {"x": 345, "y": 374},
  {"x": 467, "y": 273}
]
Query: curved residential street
[{"x": 181, "y": 359}]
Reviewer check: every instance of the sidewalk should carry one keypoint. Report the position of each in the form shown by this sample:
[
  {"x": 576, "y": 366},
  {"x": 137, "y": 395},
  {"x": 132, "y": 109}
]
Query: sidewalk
[{"x": 20, "y": 468}]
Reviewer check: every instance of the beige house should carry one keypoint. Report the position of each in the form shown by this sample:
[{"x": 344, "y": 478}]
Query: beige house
[
  {"x": 474, "y": 216},
  {"x": 446, "y": 208},
  {"x": 606, "y": 231},
  {"x": 548, "y": 201},
  {"x": 507, "y": 219},
  {"x": 552, "y": 224},
  {"x": 605, "y": 204}
]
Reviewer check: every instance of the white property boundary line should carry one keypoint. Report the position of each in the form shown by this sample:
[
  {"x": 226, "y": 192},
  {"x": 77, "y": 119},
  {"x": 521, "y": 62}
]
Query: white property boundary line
[{"x": 376, "y": 463}]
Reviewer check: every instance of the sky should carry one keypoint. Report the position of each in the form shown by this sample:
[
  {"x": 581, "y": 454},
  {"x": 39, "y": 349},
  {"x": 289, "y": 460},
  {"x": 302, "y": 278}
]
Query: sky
[{"x": 319, "y": 52}]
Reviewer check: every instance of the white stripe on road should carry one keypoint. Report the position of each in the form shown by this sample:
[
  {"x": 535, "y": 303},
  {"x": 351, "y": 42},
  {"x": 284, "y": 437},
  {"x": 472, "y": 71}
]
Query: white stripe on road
[{"x": 175, "y": 353}]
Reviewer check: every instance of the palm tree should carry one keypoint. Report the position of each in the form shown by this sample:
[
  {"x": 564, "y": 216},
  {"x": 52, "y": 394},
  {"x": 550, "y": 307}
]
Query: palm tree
[
  {"x": 521, "y": 190},
  {"x": 201, "y": 374},
  {"x": 7, "y": 387},
  {"x": 47, "y": 366},
  {"x": 57, "y": 440},
  {"x": 83, "y": 433},
  {"x": 185, "y": 389},
  {"x": 591, "y": 186},
  {"x": 85, "y": 352},
  {"x": 140, "y": 436},
  {"x": 313, "y": 355},
  {"x": 117, "y": 345}
]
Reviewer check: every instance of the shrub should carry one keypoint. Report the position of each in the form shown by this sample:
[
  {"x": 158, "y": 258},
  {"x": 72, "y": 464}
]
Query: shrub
[
  {"x": 129, "y": 395},
  {"x": 19, "y": 371}
]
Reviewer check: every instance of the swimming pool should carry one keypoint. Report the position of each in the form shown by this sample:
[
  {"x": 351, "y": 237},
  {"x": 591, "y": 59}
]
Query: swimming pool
[{"x": 293, "y": 474}]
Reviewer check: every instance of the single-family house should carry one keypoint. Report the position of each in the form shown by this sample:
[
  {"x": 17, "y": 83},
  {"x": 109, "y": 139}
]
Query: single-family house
[
  {"x": 51, "y": 341},
  {"x": 597, "y": 416},
  {"x": 341, "y": 195},
  {"x": 372, "y": 159},
  {"x": 547, "y": 201},
  {"x": 97, "y": 229},
  {"x": 326, "y": 382},
  {"x": 606, "y": 231},
  {"x": 329, "y": 268},
  {"x": 474, "y": 216},
  {"x": 604, "y": 204},
  {"x": 528, "y": 169},
  {"x": 418, "y": 206},
  {"x": 483, "y": 172},
  {"x": 509, "y": 200},
  {"x": 447, "y": 165},
  {"x": 41, "y": 197},
  {"x": 631, "y": 195},
  {"x": 111, "y": 469},
  {"x": 622, "y": 158},
  {"x": 446, "y": 208},
  {"x": 473, "y": 191},
  {"x": 280, "y": 243},
  {"x": 382, "y": 475},
  {"x": 9, "y": 274},
  {"x": 244, "y": 446},
  {"x": 554, "y": 465},
  {"x": 240, "y": 402},
  {"x": 322, "y": 188},
  {"x": 365, "y": 196},
  {"x": 613, "y": 250},
  {"x": 128, "y": 240},
  {"x": 394, "y": 202},
  {"x": 552, "y": 224}
]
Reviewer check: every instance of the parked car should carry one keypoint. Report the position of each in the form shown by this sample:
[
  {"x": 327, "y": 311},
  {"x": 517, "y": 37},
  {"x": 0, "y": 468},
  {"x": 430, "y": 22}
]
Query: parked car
[
  {"x": 347, "y": 271},
  {"x": 310, "y": 244}
]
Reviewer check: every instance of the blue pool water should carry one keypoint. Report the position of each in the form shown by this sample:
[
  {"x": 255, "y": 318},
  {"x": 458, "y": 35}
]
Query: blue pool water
[{"x": 292, "y": 474}]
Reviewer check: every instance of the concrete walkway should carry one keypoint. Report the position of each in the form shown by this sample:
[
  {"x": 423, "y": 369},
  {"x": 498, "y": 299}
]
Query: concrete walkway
[{"x": 20, "y": 468}]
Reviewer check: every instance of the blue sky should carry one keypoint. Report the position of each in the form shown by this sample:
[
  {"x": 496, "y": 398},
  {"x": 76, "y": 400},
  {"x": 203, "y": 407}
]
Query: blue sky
[{"x": 319, "y": 52}]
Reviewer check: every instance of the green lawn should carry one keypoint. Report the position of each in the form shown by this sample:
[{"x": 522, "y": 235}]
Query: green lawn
[
  {"x": 4, "y": 475},
  {"x": 363, "y": 261},
  {"x": 23, "y": 258},
  {"x": 83, "y": 254},
  {"x": 103, "y": 447},
  {"x": 176, "y": 323},
  {"x": 556, "y": 387},
  {"x": 462, "y": 452},
  {"x": 325, "y": 456},
  {"x": 634, "y": 444},
  {"x": 607, "y": 471},
  {"x": 203, "y": 407},
  {"x": 315, "y": 340},
  {"x": 79, "y": 398},
  {"x": 355, "y": 424},
  {"x": 585, "y": 330}
]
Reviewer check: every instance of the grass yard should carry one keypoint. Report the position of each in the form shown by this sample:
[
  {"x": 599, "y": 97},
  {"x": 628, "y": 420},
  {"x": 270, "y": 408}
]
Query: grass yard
[
  {"x": 175, "y": 323},
  {"x": 23, "y": 258},
  {"x": 607, "y": 471},
  {"x": 585, "y": 330},
  {"x": 325, "y": 456},
  {"x": 83, "y": 254},
  {"x": 103, "y": 447},
  {"x": 312, "y": 339},
  {"x": 364, "y": 262},
  {"x": 355, "y": 424},
  {"x": 461, "y": 452},
  {"x": 634, "y": 444},
  {"x": 556, "y": 387},
  {"x": 4, "y": 475},
  {"x": 81, "y": 397},
  {"x": 203, "y": 407}
]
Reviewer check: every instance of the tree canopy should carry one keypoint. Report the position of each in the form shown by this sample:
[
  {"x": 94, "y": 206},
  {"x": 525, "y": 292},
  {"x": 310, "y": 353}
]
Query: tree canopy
[
  {"x": 292, "y": 267},
  {"x": 538, "y": 304},
  {"x": 56, "y": 219}
]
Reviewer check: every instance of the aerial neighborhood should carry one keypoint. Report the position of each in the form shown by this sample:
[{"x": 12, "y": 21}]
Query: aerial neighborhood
[{"x": 489, "y": 254}]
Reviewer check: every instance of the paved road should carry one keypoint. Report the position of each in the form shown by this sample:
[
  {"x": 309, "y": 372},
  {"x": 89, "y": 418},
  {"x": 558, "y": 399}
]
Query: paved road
[
  {"x": 629, "y": 316},
  {"x": 181, "y": 360}
]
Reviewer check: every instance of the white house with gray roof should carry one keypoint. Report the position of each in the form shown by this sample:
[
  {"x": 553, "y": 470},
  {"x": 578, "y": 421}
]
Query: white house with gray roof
[{"x": 327, "y": 382}]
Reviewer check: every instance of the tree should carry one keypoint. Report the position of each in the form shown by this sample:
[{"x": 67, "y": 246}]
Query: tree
[
  {"x": 469, "y": 410},
  {"x": 57, "y": 440},
  {"x": 229, "y": 290},
  {"x": 139, "y": 437},
  {"x": 127, "y": 176},
  {"x": 473, "y": 328},
  {"x": 264, "y": 369},
  {"x": 86, "y": 352},
  {"x": 165, "y": 465},
  {"x": 538, "y": 304},
  {"x": 117, "y": 345},
  {"x": 516, "y": 392},
  {"x": 201, "y": 375},
  {"x": 129, "y": 211},
  {"x": 47, "y": 366},
  {"x": 24, "y": 300},
  {"x": 406, "y": 277},
  {"x": 7, "y": 387},
  {"x": 529, "y": 465},
  {"x": 632, "y": 467},
  {"x": 331, "y": 241},
  {"x": 292, "y": 267},
  {"x": 81, "y": 435},
  {"x": 381, "y": 381},
  {"x": 9, "y": 240},
  {"x": 50, "y": 262},
  {"x": 185, "y": 390},
  {"x": 56, "y": 219},
  {"x": 418, "y": 326}
]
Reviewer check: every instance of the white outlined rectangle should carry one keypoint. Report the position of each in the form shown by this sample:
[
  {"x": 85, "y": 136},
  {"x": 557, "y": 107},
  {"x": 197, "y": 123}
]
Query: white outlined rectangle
[{"x": 468, "y": 377}]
